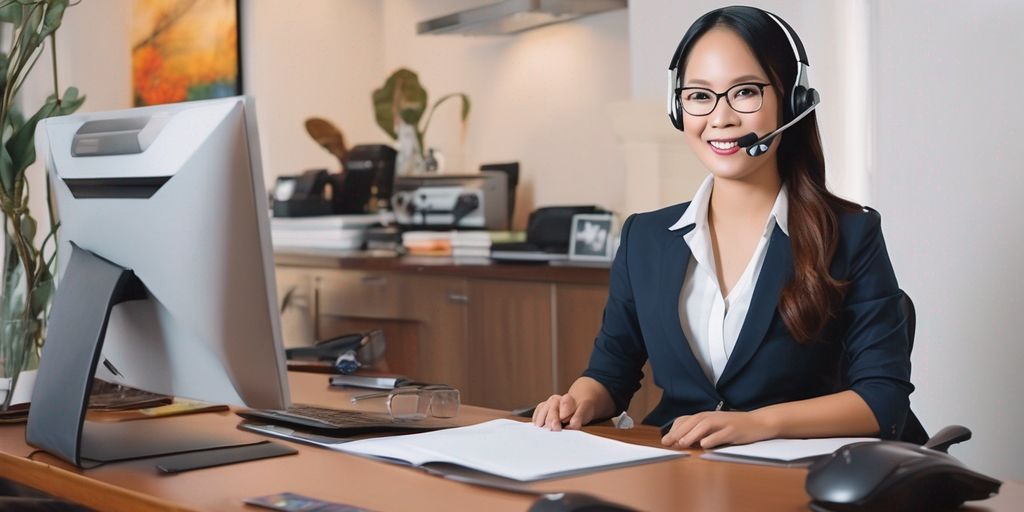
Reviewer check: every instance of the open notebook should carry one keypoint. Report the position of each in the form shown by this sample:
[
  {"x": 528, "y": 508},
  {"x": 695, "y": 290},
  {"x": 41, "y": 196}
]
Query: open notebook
[
  {"x": 510, "y": 449},
  {"x": 506, "y": 448}
]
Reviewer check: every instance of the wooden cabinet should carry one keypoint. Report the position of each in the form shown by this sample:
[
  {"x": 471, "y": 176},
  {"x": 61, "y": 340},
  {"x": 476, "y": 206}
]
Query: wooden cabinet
[
  {"x": 506, "y": 341},
  {"x": 439, "y": 306},
  {"x": 510, "y": 343}
]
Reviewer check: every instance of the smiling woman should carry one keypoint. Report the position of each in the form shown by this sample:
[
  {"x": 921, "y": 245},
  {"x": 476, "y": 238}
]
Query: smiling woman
[{"x": 767, "y": 306}]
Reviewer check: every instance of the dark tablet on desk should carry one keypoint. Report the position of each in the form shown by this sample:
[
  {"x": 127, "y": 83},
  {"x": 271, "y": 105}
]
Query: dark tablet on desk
[{"x": 222, "y": 456}]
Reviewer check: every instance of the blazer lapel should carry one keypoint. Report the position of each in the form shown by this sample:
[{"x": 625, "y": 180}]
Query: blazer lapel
[
  {"x": 673, "y": 270},
  {"x": 775, "y": 273}
]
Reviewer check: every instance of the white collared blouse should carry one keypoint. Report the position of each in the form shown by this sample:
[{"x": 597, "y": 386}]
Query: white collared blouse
[{"x": 711, "y": 322}]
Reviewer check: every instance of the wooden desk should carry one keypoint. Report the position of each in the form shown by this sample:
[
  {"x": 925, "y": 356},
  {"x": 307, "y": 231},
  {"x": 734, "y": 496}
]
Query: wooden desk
[{"x": 681, "y": 484}]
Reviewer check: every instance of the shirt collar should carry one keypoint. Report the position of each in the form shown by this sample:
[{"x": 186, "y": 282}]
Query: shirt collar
[{"x": 696, "y": 213}]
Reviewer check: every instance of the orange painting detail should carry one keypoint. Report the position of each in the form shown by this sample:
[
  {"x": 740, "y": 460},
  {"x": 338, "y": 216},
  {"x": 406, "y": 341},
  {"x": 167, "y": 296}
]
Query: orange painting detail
[{"x": 184, "y": 50}]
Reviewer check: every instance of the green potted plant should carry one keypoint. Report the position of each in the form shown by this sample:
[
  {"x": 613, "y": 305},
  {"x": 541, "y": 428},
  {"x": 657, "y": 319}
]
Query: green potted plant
[
  {"x": 27, "y": 267},
  {"x": 399, "y": 106}
]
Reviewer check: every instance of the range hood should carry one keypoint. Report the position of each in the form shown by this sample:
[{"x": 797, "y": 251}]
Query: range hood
[{"x": 513, "y": 16}]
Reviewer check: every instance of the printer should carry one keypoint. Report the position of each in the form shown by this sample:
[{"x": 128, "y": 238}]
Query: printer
[{"x": 470, "y": 201}]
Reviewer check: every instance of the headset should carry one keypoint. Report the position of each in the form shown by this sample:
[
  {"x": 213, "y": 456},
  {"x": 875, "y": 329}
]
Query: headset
[{"x": 802, "y": 98}]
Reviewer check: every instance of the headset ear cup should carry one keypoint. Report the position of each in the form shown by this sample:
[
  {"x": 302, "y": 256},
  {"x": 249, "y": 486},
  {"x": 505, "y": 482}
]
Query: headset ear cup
[
  {"x": 677, "y": 113},
  {"x": 803, "y": 99}
]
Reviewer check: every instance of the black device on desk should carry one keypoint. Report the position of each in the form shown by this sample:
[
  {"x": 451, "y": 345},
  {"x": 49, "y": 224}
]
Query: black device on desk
[
  {"x": 897, "y": 476},
  {"x": 318, "y": 192},
  {"x": 340, "y": 423},
  {"x": 548, "y": 233}
]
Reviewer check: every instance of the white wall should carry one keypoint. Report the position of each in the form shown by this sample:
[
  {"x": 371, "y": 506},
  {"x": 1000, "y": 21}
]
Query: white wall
[
  {"x": 313, "y": 58},
  {"x": 539, "y": 97},
  {"x": 949, "y": 184}
]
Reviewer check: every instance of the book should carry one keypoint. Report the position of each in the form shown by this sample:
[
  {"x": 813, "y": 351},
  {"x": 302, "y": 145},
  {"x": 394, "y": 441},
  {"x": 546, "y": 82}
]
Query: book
[
  {"x": 509, "y": 449},
  {"x": 782, "y": 452},
  {"x": 369, "y": 381}
]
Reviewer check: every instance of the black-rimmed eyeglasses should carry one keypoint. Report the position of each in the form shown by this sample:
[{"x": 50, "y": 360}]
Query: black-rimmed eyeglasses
[{"x": 745, "y": 98}]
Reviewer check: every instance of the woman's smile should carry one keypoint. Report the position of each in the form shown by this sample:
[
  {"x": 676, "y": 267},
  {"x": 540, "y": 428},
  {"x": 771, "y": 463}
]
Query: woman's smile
[{"x": 723, "y": 147}]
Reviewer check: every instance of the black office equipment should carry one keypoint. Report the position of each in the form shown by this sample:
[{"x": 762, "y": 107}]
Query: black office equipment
[
  {"x": 377, "y": 161},
  {"x": 575, "y": 502},
  {"x": 897, "y": 476},
  {"x": 213, "y": 458},
  {"x": 339, "y": 423},
  {"x": 548, "y": 232},
  {"x": 511, "y": 169},
  {"x": 308, "y": 194}
]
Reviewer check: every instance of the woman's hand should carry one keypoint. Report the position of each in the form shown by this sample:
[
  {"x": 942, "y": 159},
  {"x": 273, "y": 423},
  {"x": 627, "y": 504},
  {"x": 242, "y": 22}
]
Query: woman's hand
[
  {"x": 559, "y": 409},
  {"x": 715, "y": 428}
]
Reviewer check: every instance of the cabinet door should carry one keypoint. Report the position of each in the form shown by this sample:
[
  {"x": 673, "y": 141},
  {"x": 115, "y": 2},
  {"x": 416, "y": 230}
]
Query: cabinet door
[
  {"x": 580, "y": 310},
  {"x": 439, "y": 305},
  {"x": 357, "y": 293},
  {"x": 295, "y": 301},
  {"x": 509, "y": 343}
]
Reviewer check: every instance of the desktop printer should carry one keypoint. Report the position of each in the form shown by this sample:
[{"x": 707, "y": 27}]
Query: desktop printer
[{"x": 474, "y": 201}]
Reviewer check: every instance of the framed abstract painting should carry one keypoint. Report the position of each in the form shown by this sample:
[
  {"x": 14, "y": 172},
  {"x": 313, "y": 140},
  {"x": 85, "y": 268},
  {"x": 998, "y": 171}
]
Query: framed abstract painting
[{"x": 184, "y": 50}]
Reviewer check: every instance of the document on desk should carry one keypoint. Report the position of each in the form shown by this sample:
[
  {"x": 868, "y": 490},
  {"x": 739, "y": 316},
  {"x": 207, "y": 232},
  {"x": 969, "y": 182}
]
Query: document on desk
[
  {"x": 782, "y": 452},
  {"x": 510, "y": 449}
]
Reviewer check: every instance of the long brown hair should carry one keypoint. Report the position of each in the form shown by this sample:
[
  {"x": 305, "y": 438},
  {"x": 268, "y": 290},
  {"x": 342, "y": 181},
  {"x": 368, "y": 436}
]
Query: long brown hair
[{"x": 813, "y": 298}]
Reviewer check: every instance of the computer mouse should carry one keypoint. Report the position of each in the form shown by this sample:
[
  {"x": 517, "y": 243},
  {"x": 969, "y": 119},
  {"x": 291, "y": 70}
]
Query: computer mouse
[
  {"x": 894, "y": 475},
  {"x": 575, "y": 502}
]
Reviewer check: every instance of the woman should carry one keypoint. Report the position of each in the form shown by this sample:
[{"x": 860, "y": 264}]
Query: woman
[{"x": 767, "y": 306}]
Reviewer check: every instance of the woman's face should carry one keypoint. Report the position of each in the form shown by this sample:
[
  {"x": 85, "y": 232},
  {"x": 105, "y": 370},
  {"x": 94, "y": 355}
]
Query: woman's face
[{"x": 719, "y": 60}]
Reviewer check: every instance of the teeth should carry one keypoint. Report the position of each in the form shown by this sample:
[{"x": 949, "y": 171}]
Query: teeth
[{"x": 723, "y": 145}]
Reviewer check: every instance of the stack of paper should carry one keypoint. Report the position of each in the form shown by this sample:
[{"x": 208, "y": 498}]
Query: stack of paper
[
  {"x": 471, "y": 245},
  {"x": 341, "y": 232}
]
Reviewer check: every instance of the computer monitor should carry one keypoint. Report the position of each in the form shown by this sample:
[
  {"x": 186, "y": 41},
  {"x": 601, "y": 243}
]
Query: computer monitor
[{"x": 164, "y": 258}]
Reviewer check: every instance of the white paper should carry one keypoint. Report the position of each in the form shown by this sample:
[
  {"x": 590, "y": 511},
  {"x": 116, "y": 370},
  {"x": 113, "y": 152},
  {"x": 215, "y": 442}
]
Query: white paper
[
  {"x": 789, "y": 450},
  {"x": 510, "y": 449}
]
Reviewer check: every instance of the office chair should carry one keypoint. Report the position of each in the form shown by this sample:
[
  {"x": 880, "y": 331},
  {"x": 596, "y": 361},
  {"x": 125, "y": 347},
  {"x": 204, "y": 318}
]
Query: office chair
[{"x": 913, "y": 430}]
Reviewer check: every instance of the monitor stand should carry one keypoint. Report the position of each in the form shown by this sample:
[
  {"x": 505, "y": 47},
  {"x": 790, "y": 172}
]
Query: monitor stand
[{"x": 90, "y": 288}]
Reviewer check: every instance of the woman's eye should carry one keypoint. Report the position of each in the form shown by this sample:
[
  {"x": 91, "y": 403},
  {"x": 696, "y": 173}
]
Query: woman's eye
[
  {"x": 746, "y": 92},
  {"x": 698, "y": 96}
]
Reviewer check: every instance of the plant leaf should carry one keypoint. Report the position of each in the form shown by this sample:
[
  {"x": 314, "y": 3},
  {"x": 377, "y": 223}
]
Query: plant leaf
[
  {"x": 54, "y": 14},
  {"x": 401, "y": 95},
  {"x": 11, "y": 12},
  {"x": 42, "y": 292},
  {"x": 21, "y": 146},
  {"x": 6, "y": 171},
  {"x": 4, "y": 64},
  {"x": 70, "y": 102},
  {"x": 29, "y": 35},
  {"x": 28, "y": 228}
]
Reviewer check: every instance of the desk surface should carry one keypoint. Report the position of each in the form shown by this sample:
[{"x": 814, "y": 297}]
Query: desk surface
[{"x": 688, "y": 483}]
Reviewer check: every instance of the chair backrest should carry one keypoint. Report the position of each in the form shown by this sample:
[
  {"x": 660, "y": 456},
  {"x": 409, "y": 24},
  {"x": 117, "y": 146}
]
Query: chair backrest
[{"x": 913, "y": 431}]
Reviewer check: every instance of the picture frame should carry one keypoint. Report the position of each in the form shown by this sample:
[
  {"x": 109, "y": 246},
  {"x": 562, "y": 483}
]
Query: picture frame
[
  {"x": 184, "y": 50},
  {"x": 592, "y": 237}
]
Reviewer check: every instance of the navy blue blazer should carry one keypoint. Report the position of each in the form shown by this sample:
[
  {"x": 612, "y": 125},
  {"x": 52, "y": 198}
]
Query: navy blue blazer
[{"x": 866, "y": 350}]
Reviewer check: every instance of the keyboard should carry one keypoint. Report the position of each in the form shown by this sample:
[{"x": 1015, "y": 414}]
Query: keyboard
[{"x": 340, "y": 422}]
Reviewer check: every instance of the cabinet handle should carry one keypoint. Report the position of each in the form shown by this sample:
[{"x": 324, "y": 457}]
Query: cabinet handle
[
  {"x": 458, "y": 298},
  {"x": 374, "y": 280}
]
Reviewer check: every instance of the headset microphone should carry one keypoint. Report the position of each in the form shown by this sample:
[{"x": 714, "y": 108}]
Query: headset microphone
[{"x": 758, "y": 146}]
